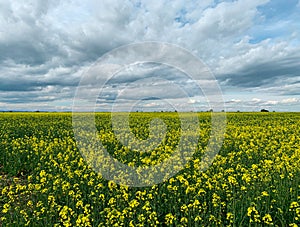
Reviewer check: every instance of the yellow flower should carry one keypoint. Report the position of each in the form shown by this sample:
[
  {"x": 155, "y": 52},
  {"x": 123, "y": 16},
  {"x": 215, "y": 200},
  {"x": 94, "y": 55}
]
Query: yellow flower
[
  {"x": 184, "y": 220},
  {"x": 293, "y": 225},
  {"x": 101, "y": 196},
  {"x": 134, "y": 203},
  {"x": 29, "y": 203},
  {"x": 267, "y": 219},
  {"x": 79, "y": 204},
  {"x": 169, "y": 218},
  {"x": 232, "y": 180},
  {"x": 83, "y": 220},
  {"x": 64, "y": 212},
  {"x": 131, "y": 224},
  {"x": 112, "y": 201},
  {"x": 112, "y": 185},
  {"x": 294, "y": 205},
  {"x": 197, "y": 218},
  {"x": 229, "y": 216},
  {"x": 6, "y": 207},
  {"x": 42, "y": 173},
  {"x": 184, "y": 208}
]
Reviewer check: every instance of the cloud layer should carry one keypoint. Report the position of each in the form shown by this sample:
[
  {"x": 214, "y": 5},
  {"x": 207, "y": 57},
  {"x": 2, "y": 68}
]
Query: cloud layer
[{"x": 252, "y": 47}]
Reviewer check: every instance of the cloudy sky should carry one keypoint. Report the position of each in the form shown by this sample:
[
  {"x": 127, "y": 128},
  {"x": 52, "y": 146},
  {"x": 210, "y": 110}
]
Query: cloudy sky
[{"x": 251, "y": 46}]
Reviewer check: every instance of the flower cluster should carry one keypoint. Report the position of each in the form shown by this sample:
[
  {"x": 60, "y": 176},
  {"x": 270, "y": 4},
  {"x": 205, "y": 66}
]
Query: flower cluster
[{"x": 253, "y": 181}]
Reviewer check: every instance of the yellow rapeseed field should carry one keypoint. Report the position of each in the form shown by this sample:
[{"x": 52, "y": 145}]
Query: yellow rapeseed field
[{"x": 253, "y": 181}]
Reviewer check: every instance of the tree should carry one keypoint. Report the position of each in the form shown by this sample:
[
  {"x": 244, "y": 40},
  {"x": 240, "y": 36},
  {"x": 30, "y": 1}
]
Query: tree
[{"x": 264, "y": 110}]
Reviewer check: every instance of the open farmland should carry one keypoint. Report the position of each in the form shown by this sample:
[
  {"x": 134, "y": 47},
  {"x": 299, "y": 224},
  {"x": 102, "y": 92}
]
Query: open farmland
[{"x": 253, "y": 181}]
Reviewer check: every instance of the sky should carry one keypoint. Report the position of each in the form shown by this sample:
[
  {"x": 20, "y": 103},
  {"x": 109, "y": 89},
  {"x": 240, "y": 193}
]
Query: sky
[{"x": 252, "y": 47}]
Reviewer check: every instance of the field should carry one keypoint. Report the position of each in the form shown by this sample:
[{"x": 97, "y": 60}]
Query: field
[{"x": 253, "y": 181}]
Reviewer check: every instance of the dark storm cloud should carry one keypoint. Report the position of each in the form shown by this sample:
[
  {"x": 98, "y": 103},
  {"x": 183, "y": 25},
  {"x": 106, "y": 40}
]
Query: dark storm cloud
[
  {"x": 264, "y": 74},
  {"x": 25, "y": 36},
  {"x": 21, "y": 79},
  {"x": 17, "y": 85},
  {"x": 37, "y": 95},
  {"x": 38, "y": 50}
]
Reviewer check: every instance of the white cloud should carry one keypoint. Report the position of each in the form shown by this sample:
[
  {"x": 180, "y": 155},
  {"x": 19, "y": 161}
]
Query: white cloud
[
  {"x": 290, "y": 100},
  {"x": 271, "y": 102},
  {"x": 192, "y": 101},
  {"x": 235, "y": 100},
  {"x": 256, "y": 100}
]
